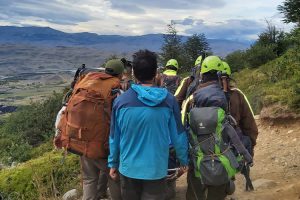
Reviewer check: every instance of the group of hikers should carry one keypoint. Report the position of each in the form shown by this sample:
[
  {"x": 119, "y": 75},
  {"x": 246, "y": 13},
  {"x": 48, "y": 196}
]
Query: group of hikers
[{"x": 137, "y": 130}]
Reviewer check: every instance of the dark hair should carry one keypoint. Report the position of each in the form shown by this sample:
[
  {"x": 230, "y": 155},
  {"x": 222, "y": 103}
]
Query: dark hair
[
  {"x": 210, "y": 76},
  {"x": 144, "y": 65}
]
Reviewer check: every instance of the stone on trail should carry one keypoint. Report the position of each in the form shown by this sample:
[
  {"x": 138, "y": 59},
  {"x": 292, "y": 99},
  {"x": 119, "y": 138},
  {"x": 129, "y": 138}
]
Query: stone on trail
[
  {"x": 264, "y": 184},
  {"x": 71, "y": 195},
  {"x": 290, "y": 131}
]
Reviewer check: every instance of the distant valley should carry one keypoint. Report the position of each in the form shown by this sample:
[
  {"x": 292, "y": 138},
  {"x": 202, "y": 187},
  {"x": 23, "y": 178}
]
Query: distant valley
[
  {"x": 25, "y": 49},
  {"x": 35, "y": 61}
]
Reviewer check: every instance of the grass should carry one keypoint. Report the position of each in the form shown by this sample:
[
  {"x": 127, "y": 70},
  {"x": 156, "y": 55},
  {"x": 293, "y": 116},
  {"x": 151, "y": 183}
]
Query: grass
[
  {"x": 45, "y": 177},
  {"x": 277, "y": 82}
]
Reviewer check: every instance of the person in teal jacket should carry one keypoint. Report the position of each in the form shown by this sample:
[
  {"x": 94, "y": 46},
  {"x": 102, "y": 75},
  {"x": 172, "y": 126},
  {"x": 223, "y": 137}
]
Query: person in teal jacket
[{"x": 145, "y": 120}]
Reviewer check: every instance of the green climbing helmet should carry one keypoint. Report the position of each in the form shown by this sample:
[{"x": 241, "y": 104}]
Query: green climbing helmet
[
  {"x": 226, "y": 69},
  {"x": 172, "y": 62},
  {"x": 211, "y": 63},
  {"x": 114, "y": 67},
  {"x": 198, "y": 61}
]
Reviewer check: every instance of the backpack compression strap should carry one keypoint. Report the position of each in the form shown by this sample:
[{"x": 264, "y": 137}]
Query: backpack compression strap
[{"x": 185, "y": 108}]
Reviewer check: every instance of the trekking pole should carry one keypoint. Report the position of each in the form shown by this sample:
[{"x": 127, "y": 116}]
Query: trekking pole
[
  {"x": 173, "y": 170},
  {"x": 194, "y": 191},
  {"x": 246, "y": 173}
]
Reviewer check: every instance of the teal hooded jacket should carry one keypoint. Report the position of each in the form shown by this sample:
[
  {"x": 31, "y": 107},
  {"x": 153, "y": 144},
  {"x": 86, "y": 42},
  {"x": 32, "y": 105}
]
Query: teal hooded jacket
[{"x": 145, "y": 121}]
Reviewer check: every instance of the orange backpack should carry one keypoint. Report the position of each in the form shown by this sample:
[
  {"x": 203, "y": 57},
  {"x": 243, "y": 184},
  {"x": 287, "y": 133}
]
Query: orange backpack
[{"x": 85, "y": 123}]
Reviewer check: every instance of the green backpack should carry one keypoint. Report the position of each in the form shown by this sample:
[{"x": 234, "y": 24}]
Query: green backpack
[{"x": 212, "y": 144}]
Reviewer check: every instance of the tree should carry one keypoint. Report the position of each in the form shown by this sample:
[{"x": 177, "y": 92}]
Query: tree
[
  {"x": 172, "y": 46},
  {"x": 258, "y": 55},
  {"x": 275, "y": 37},
  {"x": 195, "y": 46},
  {"x": 291, "y": 11},
  {"x": 236, "y": 60}
]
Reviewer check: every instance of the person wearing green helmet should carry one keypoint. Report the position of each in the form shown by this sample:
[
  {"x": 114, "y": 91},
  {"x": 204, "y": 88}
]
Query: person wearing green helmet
[
  {"x": 240, "y": 109},
  {"x": 188, "y": 84},
  {"x": 245, "y": 102},
  {"x": 198, "y": 61},
  {"x": 202, "y": 182},
  {"x": 169, "y": 78}
]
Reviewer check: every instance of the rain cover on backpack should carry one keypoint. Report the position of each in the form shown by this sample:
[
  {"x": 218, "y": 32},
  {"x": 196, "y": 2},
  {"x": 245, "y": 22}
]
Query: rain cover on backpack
[{"x": 211, "y": 153}]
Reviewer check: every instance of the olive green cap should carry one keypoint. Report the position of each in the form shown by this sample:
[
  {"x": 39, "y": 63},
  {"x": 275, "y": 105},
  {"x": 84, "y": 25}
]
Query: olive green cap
[{"x": 114, "y": 67}]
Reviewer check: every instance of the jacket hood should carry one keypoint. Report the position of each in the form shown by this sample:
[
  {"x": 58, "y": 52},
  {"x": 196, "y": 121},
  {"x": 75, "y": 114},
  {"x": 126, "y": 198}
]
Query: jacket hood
[{"x": 151, "y": 96}]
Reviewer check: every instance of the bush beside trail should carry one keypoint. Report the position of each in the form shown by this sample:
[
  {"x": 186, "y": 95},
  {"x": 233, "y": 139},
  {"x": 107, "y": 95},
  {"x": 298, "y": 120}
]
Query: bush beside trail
[
  {"x": 45, "y": 177},
  {"x": 275, "y": 83},
  {"x": 27, "y": 128}
]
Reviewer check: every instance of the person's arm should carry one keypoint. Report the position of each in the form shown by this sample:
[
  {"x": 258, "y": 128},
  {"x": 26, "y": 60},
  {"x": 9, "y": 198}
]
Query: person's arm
[
  {"x": 114, "y": 140},
  {"x": 247, "y": 121},
  {"x": 178, "y": 136}
]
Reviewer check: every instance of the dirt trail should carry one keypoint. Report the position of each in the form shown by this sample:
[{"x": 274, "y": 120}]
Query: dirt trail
[{"x": 276, "y": 171}]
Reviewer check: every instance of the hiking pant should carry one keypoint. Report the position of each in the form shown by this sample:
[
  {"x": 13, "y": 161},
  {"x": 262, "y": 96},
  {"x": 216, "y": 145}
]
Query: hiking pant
[
  {"x": 138, "y": 189},
  {"x": 102, "y": 185},
  {"x": 91, "y": 169},
  {"x": 197, "y": 191},
  {"x": 171, "y": 190}
]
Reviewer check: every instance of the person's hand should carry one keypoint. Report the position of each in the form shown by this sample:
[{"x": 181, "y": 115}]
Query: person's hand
[
  {"x": 184, "y": 168},
  {"x": 180, "y": 172},
  {"x": 113, "y": 173}
]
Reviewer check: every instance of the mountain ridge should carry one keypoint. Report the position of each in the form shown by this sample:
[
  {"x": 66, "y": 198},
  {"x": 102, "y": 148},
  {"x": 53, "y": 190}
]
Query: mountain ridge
[{"x": 116, "y": 43}]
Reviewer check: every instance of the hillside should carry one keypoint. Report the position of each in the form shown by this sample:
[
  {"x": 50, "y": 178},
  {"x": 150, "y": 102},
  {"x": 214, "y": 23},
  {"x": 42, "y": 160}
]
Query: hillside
[{"x": 274, "y": 87}]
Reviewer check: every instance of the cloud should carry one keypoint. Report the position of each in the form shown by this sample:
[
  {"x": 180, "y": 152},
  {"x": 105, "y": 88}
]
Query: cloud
[
  {"x": 229, "y": 29},
  {"x": 129, "y": 8},
  {"x": 171, "y": 4},
  {"x": 185, "y": 21},
  {"x": 215, "y": 18},
  {"x": 56, "y": 11}
]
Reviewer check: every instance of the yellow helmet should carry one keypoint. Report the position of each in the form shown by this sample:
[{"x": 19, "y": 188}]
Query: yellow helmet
[
  {"x": 198, "y": 61},
  {"x": 172, "y": 62},
  {"x": 211, "y": 63},
  {"x": 226, "y": 69}
]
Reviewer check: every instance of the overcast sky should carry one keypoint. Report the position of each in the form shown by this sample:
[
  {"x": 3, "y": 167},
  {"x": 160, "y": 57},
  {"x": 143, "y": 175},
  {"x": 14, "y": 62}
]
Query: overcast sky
[{"x": 226, "y": 19}]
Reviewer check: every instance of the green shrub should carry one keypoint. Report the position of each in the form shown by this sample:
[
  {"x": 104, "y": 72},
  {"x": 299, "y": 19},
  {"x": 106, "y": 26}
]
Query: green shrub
[
  {"x": 27, "y": 128},
  {"x": 273, "y": 83},
  {"x": 41, "y": 178}
]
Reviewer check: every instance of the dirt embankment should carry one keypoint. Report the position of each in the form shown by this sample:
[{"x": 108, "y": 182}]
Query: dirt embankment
[{"x": 276, "y": 171}]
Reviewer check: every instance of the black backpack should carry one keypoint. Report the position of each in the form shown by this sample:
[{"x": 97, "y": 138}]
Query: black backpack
[
  {"x": 171, "y": 83},
  {"x": 215, "y": 148}
]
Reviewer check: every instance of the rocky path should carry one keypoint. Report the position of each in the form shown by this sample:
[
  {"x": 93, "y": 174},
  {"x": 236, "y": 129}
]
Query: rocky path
[{"x": 276, "y": 172}]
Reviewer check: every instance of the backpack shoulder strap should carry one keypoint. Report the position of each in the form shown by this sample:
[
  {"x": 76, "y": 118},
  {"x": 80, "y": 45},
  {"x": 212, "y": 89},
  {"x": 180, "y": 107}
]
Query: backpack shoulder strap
[
  {"x": 162, "y": 79},
  {"x": 186, "y": 106}
]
